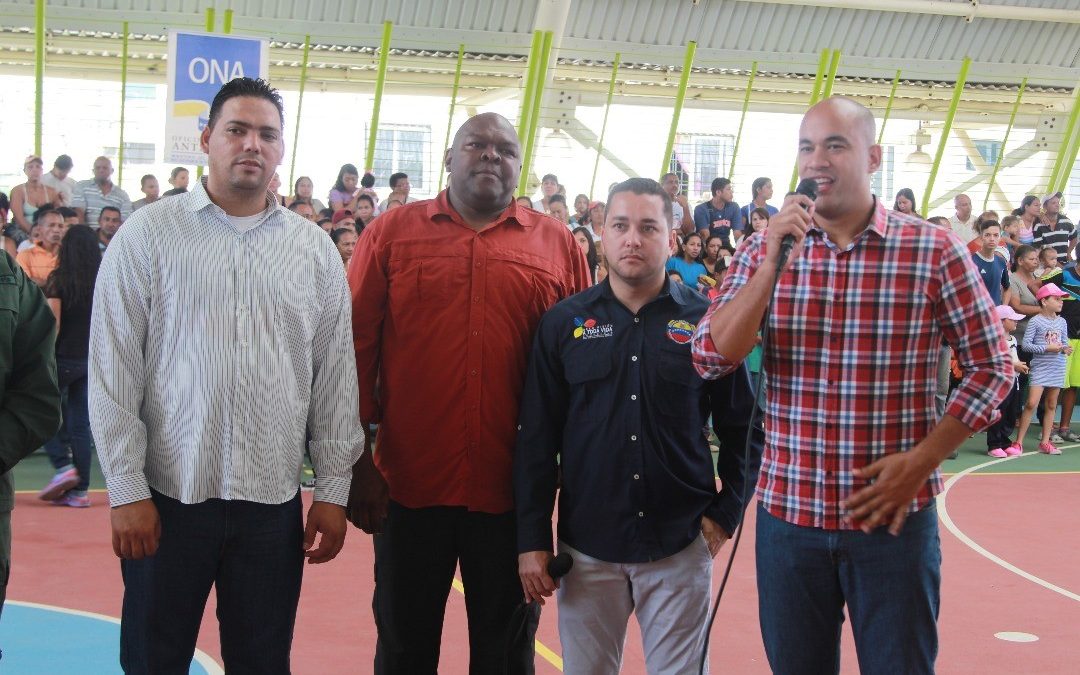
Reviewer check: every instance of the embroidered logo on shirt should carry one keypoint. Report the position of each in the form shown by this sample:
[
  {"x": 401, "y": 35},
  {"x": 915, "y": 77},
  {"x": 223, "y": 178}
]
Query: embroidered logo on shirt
[
  {"x": 588, "y": 329},
  {"x": 680, "y": 332}
]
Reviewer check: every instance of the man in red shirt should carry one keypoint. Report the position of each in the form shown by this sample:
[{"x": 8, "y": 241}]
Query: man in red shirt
[{"x": 446, "y": 296}]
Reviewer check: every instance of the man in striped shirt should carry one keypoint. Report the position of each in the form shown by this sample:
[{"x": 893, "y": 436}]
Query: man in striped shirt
[
  {"x": 90, "y": 195},
  {"x": 853, "y": 442},
  {"x": 211, "y": 369}
]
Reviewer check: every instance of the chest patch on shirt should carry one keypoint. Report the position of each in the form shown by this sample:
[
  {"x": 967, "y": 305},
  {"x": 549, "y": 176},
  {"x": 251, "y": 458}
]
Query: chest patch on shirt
[
  {"x": 589, "y": 329},
  {"x": 680, "y": 331}
]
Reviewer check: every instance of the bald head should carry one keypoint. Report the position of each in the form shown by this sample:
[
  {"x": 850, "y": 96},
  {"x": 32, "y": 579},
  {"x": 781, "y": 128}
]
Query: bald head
[
  {"x": 856, "y": 115},
  {"x": 484, "y": 121},
  {"x": 484, "y": 164}
]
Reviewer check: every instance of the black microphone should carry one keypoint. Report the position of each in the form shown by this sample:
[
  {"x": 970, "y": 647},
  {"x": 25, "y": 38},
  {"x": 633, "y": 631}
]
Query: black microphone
[
  {"x": 807, "y": 187},
  {"x": 559, "y": 565}
]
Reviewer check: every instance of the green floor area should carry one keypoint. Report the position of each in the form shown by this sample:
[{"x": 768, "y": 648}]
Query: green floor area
[{"x": 34, "y": 472}]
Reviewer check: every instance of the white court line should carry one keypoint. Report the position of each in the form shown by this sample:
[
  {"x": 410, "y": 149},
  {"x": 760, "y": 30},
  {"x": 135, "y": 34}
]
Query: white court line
[
  {"x": 943, "y": 513},
  {"x": 202, "y": 658}
]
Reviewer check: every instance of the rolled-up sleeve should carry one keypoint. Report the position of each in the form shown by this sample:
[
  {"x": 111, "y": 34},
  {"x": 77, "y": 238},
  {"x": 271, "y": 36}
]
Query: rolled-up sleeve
[
  {"x": 708, "y": 362},
  {"x": 117, "y": 365},
  {"x": 967, "y": 319},
  {"x": 337, "y": 437}
]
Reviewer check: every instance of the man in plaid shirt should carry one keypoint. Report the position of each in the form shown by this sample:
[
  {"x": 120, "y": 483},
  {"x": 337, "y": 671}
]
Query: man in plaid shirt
[{"x": 853, "y": 443}]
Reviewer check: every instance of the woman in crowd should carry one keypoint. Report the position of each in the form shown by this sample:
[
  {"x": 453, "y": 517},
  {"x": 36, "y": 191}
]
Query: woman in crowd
[
  {"x": 687, "y": 262},
  {"x": 365, "y": 211},
  {"x": 178, "y": 179},
  {"x": 581, "y": 210},
  {"x": 712, "y": 256},
  {"x": 275, "y": 185},
  {"x": 70, "y": 293},
  {"x": 1024, "y": 284},
  {"x": 303, "y": 191},
  {"x": 345, "y": 240},
  {"x": 905, "y": 202},
  {"x": 584, "y": 239},
  {"x": 28, "y": 197},
  {"x": 343, "y": 194},
  {"x": 1030, "y": 216},
  {"x": 557, "y": 209},
  {"x": 757, "y": 222}
]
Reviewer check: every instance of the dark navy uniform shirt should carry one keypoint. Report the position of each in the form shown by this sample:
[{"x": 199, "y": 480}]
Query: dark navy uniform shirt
[{"x": 613, "y": 399}]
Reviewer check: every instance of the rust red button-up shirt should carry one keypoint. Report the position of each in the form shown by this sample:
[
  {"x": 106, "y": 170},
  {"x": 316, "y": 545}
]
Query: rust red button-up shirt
[{"x": 443, "y": 319}]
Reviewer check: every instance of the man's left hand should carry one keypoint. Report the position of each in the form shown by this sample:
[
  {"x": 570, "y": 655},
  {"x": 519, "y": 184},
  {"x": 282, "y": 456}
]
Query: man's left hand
[
  {"x": 897, "y": 479},
  {"x": 715, "y": 536},
  {"x": 328, "y": 520}
]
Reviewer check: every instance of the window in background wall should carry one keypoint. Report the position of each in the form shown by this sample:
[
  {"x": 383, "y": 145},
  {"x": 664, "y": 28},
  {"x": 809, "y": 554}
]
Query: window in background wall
[
  {"x": 701, "y": 158},
  {"x": 881, "y": 183},
  {"x": 134, "y": 153},
  {"x": 990, "y": 151},
  {"x": 402, "y": 149}
]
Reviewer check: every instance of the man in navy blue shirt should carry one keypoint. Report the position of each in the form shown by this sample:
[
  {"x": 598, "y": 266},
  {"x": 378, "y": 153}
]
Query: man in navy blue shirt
[
  {"x": 720, "y": 215},
  {"x": 992, "y": 268},
  {"x": 612, "y": 399}
]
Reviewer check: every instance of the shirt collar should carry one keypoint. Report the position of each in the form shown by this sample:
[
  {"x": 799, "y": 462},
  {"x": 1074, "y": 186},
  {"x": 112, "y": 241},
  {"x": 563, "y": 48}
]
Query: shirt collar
[
  {"x": 441, "y": 206},
  {"x": 677, "y": 292},
  {"x": 878, "y": 223},
  {"x": 198, "y": 199}
]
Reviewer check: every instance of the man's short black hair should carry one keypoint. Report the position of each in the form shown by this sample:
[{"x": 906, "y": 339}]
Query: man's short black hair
[
  {"x": 395, "y": 177},
  {"x": 109, "y": 208},
  {"x": 988, "y": 223},
  {"x": 556, "y": 198},
  {"x": 246, "y": 86},
  {"x": 719, "y": 184},
  {"x": 758, "y": 185},
  {"x": 644, "y": 186},
  {"x": 67, "y": 212},
  {"x": 550, "y": 177},
  {"x": 64, "y": 163},
  {"x": 44, "y": 211}
]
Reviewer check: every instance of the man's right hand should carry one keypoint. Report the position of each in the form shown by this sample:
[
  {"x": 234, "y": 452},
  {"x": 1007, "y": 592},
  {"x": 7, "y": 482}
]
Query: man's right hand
[
  {"x": 535, "y": 580},
  {"x": 136, "y": 530},
  {"x": 794, "y": 219},
  {"x": 369, "y": 495}
]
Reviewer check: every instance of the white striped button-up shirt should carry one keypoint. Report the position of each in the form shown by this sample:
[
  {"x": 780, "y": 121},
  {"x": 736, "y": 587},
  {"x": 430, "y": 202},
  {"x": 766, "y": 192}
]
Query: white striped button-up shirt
[{"x": 214, "y": 354}]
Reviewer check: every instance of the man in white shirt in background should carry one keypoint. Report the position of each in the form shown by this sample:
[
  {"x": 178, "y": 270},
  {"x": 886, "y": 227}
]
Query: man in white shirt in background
[
  {"x": 57, "y": 178},
  {"x": 682, "y": 216},
  {"x": 963, "y": 221},
  {"x": 210, "y": 367}
]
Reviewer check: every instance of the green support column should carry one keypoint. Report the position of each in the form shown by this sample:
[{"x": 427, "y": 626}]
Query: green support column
[
  {"x": 534, "y": 116},
  {"x": 1059, "y": 164},
  {"x": 380, "y": 81},
  {"x": 39, "y": 71},
  {"x": 123, "y": 105},
  {"x": 742, "y": 118},
  {"x": 680, "y": 96},
  {"x": 530, "y": 85},
  {"x": 949, "y": 116},
  {"x": 1004, "y": 143},
  {"x": 603, "y": 127},
  {"x": 299, "y": 109},
  {"x": 453, "y": 104},
  {"x": 834, "y": 64},
  {"x": 227, "y": 27},
  {"x": 815, "y": 94},
  {"x": 888, "y": 107}
]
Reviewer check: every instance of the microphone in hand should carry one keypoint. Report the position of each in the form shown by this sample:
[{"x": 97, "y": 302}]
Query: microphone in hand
[{"x": 808, "y": 188}]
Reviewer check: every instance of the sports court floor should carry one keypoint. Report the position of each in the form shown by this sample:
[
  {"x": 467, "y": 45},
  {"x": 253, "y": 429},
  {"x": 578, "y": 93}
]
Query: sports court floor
[{"x": 1010, "y": 600}]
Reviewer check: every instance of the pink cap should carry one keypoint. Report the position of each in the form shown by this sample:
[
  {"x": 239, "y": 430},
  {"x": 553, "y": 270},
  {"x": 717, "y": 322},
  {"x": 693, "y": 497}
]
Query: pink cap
[
  {"x": 1006, "y": 312},
  {"x": 1050, "y": 289}
]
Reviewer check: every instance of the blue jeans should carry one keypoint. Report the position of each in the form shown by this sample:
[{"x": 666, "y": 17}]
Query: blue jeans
[
  {"x": 891, "y": 586},
  {"x": 252, "y": 553},
  {"x": 71, "y": 376}
]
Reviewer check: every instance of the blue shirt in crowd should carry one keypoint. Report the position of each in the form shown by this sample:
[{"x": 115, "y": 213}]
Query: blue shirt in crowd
[
  {"x": 706, "y": 216},
  {"x": 995, "y": 274}
]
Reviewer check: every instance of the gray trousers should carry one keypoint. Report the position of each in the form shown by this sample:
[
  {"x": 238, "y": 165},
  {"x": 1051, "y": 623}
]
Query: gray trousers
[{"x": 670, "y": 598}]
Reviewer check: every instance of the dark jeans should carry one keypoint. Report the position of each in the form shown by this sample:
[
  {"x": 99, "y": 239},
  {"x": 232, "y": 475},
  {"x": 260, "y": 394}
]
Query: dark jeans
[
  {"x": 999, "y": 435},
  {"x": 71, "y": 376},
  {"x": 415, "y": 559},
  {"x": 252, "y": 553},
  {"x": 891, "y": 586}
]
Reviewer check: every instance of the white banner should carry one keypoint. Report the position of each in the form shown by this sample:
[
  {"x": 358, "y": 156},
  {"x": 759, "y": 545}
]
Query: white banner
[{"x": 199, "y": 64}]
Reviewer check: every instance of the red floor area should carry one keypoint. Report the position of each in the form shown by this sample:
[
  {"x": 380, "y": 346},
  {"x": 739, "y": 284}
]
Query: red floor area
[{"x": 63, "y": 557}]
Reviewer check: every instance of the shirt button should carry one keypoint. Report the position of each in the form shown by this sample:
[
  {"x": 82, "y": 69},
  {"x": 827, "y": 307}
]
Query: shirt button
[
  {"x": 633, "y": 397},
  {"x": 476, "y": 298},
  {"x": 637, "y": 320},
  {"x": 633, "y": 438},
  {"x": 472, "y": 373},
  {"x": 636, "y": 477},
  {"x": 640, "y": 514},
  {"x": 475, "y": 333},
  {"x": 633, "y": 358},
  {"x": 479, "y": 264}
]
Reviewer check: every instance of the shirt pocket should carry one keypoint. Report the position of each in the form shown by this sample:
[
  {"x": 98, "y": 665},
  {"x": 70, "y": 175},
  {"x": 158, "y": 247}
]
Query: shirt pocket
[
  {"x": 588, "y": 375},
  {"x": 9, "y": 319},
  {"x": 678, "y": 387}
]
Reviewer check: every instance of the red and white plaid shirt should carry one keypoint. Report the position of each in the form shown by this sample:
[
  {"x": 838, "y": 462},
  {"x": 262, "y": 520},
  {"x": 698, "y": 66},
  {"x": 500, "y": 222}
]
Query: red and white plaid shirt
[{"x": 852, "y": 358}]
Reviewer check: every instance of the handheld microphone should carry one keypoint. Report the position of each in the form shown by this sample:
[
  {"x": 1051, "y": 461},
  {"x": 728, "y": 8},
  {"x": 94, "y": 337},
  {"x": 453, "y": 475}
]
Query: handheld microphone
[
  {"x": 808, "y": 188},
  {"x": 560, "y": 565}
]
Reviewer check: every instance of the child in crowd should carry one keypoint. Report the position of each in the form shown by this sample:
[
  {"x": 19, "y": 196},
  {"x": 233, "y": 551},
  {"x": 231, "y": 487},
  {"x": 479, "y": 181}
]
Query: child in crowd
[
  {"x": 1046, "y": 338},
  {"x": 1048, "y": 263},
  {"x": 997, "y": 436},
  {"x": 1010, "y": 234}
]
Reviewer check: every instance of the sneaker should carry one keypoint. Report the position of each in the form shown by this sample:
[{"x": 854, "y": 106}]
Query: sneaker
[
  {"x": 1049, "y": 449},
  {"x": 1069, "y": 436},
  {"x": 60, "y": 483},
  {"x": 1014, "y": 450},
  {"x": 1055, "y": 437},
  {"x": 73, "y": 500},
  {"x": 997, "y": 452}
]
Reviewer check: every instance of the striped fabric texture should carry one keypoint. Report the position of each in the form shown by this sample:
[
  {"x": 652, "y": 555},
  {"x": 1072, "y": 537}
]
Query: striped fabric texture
[
  {"x": 215, "y": 354},
  {"x": 853, "y": 355}
]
